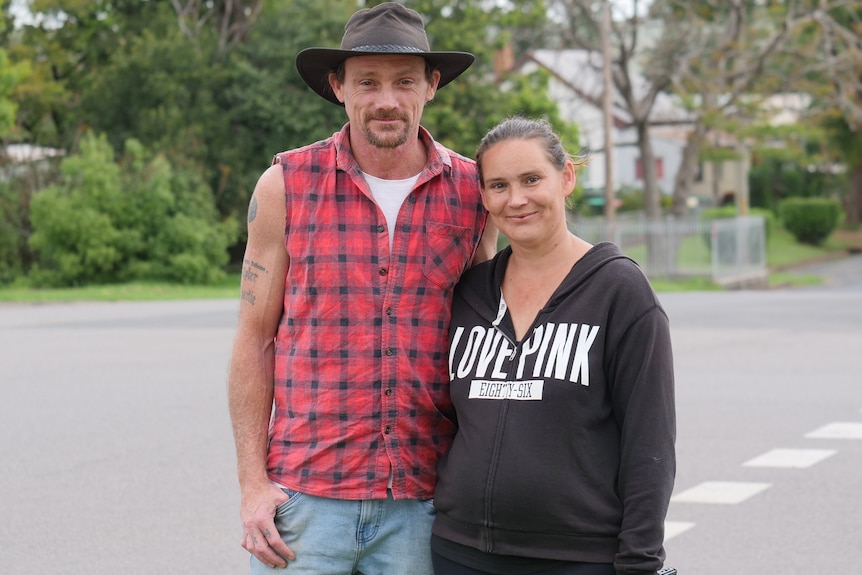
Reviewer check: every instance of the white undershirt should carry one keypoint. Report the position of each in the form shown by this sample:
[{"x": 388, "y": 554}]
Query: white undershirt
[{"x": 389, "y": 195}]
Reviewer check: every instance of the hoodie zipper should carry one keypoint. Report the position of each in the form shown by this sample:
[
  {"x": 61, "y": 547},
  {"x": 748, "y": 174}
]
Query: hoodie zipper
[{"x": 501, "y": 419}]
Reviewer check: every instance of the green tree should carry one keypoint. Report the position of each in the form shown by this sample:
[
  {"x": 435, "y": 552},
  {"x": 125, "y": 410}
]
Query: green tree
[
  {"x": 8, "y": 79},
  {"x": 74, "y": 235},
  {"x": 67, "y": 46},
  {"x": 137, "y": 219},
  {"x": 848, "y": 142},
  {"x": 11, "y": 212},
  {"x": 229, "y": 114},
  {"x": 832, "y": 44},
  {"x": 213, "y": 85},
  {"x": 484, "y": 95},
  {"x": 790, "y": 160}
]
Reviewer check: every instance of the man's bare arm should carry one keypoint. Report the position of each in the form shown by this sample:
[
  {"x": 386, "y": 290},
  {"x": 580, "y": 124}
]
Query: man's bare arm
[
  {"x": 487, "y": 244},
  {"x": 250, "y": 380}
]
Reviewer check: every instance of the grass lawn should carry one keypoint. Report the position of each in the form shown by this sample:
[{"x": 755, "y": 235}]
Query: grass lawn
[
  {"x": 138, "y": 291},
  {"x": 783, "y": 253}
]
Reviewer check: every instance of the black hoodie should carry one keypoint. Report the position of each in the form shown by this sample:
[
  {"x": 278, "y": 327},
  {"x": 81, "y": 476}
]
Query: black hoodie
[{"x": 565, "y": 445}]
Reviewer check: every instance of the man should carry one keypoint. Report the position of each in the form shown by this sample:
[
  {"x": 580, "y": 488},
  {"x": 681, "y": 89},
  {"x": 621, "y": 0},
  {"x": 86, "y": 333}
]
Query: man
[{"x": 338, "y": 383}]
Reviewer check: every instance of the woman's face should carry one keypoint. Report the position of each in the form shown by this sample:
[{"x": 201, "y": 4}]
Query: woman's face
[{"x": 525, "y": 193}]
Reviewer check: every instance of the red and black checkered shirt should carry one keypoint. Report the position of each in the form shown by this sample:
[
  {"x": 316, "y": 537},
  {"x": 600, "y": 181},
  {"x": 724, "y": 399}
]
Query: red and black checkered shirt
[{"x": 361, "y": 372}]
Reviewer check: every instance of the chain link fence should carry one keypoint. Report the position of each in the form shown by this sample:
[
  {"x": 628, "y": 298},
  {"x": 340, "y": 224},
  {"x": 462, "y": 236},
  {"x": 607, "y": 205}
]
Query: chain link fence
[{"x": 730, "y": 251}]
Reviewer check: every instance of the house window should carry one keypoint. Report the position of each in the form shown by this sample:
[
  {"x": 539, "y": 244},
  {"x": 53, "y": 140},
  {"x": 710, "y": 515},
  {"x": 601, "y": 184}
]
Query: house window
[{"x": 659, "y": 168}]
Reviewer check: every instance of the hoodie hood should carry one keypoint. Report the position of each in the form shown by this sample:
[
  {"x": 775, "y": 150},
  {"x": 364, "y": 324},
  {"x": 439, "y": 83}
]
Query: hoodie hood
[{"x": 484, "y": 296}]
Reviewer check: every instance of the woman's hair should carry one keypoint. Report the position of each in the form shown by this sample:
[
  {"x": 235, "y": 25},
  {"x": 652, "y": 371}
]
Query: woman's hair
[{"x": 520, "y": 128}]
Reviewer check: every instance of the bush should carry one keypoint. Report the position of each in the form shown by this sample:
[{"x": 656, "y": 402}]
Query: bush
[
  {"x": 810, "y": 220},
  {"x": 11, "y": 239},
  {"x": 137, "y": 220}
]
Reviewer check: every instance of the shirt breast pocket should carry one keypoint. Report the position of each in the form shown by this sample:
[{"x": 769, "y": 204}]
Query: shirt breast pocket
[{"x": 448, "y": 249}]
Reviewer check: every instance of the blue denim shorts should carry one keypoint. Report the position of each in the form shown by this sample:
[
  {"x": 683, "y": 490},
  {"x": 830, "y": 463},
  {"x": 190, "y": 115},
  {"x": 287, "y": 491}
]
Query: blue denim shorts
[{"x": 340, "y": 537}]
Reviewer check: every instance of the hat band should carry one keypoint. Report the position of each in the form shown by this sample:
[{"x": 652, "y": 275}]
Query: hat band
[{"x": 394, "y": 48}]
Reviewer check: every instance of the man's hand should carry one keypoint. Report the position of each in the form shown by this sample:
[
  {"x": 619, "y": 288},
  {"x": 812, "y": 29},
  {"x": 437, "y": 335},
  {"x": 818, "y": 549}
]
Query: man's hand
[{"x": 260, "y": 537}]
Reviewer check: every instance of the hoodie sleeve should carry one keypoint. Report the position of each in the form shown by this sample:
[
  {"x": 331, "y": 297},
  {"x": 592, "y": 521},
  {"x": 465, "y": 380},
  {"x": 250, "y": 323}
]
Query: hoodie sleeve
[{"x": 641, "y": 377}]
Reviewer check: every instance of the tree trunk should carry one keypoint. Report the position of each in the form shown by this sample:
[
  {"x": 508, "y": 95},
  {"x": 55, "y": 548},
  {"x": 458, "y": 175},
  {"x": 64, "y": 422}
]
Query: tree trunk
[
  {"x": 685, "y": 174},
  {"x": 652, "y": 196},
  {"x": 853, "y": 203},
  {"x": 658, "y": 264}
]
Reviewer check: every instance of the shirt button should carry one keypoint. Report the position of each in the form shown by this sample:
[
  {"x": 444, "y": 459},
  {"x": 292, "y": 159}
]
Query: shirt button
[
  {"x": 388, "y": 391},
  {"x": 383, "y": 271},
  {"x": 389, "y": 311},
  {"x": 381, "y": 228},
  {"x": 386, "y": 430},
  {"x": 390, "y": 351}
]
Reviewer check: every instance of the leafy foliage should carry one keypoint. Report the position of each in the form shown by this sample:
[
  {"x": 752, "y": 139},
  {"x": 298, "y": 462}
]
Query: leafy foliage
[
  {"x": 810, "y": 220},
  {"x": 8, "y": 78},
  {"x": 772, "y": 180},
  {"x": 139, "y": 219},
  {"x": 11, "y": 241},
  {"x": 184, "y": 107}
]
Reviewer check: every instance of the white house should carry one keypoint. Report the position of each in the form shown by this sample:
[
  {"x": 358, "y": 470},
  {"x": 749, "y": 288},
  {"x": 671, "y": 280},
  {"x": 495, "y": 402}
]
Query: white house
[
  {"x": 17, "y": 159},
  {"x": 577, "y": 86}
]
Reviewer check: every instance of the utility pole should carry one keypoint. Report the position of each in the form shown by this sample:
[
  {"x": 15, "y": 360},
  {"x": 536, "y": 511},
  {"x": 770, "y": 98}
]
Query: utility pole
[{"x": 608, "y": 110}]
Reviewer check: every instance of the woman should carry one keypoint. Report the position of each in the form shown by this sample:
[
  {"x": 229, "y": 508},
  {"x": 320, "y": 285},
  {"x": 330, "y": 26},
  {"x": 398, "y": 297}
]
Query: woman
[{"x": 562, "y": 379}]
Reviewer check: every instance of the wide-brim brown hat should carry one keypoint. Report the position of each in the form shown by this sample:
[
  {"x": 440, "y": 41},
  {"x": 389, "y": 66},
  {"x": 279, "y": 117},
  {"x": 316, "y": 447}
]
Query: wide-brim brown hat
[{"x": 387, "y": 28}]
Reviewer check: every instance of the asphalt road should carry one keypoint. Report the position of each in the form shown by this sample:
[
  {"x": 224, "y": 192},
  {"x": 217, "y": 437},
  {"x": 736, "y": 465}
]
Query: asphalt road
[
  {"x": 117, "y": 454},
  {"x": 769, "y": 444}
]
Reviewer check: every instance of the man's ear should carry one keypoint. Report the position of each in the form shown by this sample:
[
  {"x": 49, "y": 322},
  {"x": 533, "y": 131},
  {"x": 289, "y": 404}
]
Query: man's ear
[
  {"x": 337, "y": 87},
  {"x": 432, "y": 88}
]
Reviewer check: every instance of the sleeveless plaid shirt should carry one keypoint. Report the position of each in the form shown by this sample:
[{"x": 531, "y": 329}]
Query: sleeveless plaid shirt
[{"x": 361, "y": 373}]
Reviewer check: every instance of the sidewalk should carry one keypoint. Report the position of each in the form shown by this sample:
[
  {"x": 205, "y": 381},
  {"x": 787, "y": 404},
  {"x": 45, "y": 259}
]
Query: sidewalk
[{"x": 842, "y": 273}]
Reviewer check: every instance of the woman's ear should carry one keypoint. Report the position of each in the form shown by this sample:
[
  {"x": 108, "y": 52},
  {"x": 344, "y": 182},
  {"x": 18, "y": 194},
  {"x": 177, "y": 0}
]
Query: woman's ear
[{"x": 570, "y": 177}]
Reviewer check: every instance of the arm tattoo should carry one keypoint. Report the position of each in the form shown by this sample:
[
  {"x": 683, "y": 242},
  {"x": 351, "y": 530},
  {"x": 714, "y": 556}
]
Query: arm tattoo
[
  {"x": 252, "y": 209},
  {"x": 253, "y": 264},
  {"x": 250, "y": 272}
]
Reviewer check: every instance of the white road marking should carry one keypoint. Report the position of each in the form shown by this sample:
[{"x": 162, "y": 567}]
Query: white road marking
[
  {"x": 798, "y": 458},
  {"x": 674, "y": 528},
  {"x": 725, "y": 492},
  {"x": 838, "y": 430}
]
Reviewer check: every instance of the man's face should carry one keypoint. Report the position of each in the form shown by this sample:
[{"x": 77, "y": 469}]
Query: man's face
[{"x": 384, "y": 96}]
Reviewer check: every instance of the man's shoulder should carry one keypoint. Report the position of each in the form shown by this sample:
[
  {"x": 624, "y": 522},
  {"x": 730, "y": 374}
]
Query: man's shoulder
[
  {"x": 464, "y": 161},
  {"x": 305, "y": 151},
  {"x": 327, "y": 145}
]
